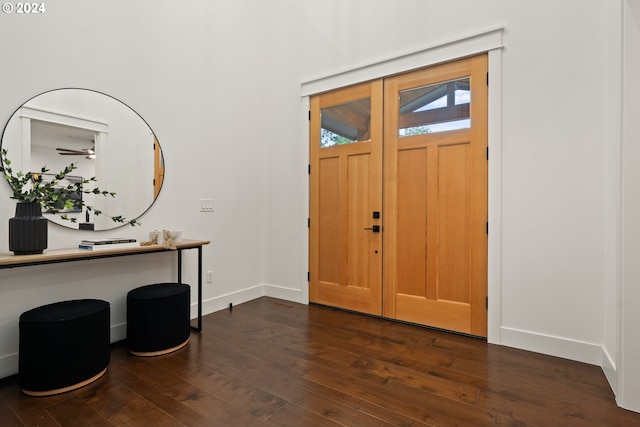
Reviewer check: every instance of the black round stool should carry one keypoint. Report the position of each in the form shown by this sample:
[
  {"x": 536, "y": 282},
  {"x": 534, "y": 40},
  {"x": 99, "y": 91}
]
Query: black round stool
[
  {"x": 158, "y": 318},
  {"x": 63, "y": 346}
]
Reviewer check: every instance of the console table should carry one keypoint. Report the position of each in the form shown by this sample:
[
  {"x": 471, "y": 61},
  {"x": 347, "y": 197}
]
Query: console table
[{"x": 68, "y": 255}]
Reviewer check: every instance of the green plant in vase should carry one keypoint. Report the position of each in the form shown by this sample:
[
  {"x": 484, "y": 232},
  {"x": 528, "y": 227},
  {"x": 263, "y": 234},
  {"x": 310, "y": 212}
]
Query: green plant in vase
[
  {"x": 29, "y": 187},
  {"x": 36, "y": 195}
]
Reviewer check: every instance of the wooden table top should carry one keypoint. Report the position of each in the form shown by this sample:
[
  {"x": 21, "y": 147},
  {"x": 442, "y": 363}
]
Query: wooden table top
[{"x": 9, "y": 260}]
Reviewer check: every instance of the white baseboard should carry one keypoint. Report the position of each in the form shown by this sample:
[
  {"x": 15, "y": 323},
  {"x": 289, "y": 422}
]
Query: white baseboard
[
  {"x": 222, "y": 302},
  {"x": 118, "y": 332},
  {"x": 553, "y": 346},
  {"x": 8, "y": 365},
  {"x": 609, "y": 369},
  {"x": 288, "y": 294}
]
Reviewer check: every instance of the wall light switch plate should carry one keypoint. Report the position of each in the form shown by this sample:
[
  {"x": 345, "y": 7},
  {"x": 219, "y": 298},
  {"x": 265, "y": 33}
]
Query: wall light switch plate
[{"x": 206, "y": 205}]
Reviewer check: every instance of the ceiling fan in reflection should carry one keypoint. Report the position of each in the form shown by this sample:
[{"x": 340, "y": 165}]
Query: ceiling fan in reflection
[{"x": 89, "y": 153}]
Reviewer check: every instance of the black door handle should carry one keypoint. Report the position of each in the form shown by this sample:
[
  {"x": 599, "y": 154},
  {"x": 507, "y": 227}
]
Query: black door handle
[{"x": 375, "y": 228}]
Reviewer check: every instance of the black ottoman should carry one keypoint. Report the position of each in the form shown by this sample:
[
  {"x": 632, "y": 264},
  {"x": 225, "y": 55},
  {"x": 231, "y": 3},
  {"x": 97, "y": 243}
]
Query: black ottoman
[
  {"x": 63, "y": 346},
  {"x": 158, "y": 318}
]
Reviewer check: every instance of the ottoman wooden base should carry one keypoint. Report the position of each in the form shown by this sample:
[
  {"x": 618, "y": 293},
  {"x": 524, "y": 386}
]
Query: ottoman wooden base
[
  {"x": 65, "y": 389},
  {"x": 160, "y": 352}
]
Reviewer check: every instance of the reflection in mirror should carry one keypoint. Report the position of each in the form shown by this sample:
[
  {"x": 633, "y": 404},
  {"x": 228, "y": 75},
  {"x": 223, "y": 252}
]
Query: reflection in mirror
[{"x": 103, "y": 137}]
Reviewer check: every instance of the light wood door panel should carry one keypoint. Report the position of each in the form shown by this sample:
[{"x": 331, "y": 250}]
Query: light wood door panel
[
  {"x": 436, "y": 209},
  {"x": 345, "y": 259}
]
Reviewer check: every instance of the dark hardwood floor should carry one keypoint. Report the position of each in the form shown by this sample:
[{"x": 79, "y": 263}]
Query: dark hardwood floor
[{"x": 274, "y": 363}]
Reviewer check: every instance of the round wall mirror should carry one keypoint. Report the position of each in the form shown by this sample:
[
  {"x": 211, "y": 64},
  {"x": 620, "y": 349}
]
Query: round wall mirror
[{"x": 103, "y": 137}]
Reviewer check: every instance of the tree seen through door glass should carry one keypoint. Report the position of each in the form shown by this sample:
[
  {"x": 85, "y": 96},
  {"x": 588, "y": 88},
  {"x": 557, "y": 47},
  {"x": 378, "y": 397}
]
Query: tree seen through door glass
[
  {"x": 435, "y": 108},
  {"x": 345, "y": 123}
]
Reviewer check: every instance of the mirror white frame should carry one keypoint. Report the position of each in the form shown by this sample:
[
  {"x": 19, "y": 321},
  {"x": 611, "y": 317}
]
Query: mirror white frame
[{"x": 57, "y": 127}]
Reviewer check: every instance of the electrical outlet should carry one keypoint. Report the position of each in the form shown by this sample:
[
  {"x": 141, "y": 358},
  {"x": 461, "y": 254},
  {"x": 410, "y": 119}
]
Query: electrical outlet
[
  {"x": 206, "y": 205},
  {"x": 209, "y": 276}
]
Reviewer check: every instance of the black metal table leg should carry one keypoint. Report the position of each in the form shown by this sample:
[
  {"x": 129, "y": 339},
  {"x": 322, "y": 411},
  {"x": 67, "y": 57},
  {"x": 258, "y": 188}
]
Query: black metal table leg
[
  {"x": 199, "y": 327},
  {"x": 199, "y": 288}
]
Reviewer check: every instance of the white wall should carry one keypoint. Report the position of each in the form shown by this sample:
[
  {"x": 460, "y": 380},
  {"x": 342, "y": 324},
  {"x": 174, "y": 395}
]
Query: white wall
[
  {"x": 219, "y": 83},
  {"x": 629, "y": 368}
]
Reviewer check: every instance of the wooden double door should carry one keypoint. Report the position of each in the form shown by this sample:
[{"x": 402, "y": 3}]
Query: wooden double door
[{"x": 398, "y": 197}]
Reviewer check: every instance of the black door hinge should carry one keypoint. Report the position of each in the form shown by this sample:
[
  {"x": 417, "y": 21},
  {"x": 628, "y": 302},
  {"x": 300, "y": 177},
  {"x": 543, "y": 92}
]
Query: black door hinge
[
  {"x": 487, "y": 78},
  {"x": 309, "y": 169},
  {"x": 309, "y": 115},
  {"x": 308, "y": 276},
  {"x": 487, "y": 227},
  {"x": 308, "y": 222},
  {"x": 486, "y": 302},
  {"x": 487, "y": 153}
]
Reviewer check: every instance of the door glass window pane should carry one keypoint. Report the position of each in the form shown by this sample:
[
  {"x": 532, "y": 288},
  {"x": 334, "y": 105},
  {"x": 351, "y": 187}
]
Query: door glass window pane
[
  {"x": 345, "y": 123},
  {"x": 435, "y": 108}
]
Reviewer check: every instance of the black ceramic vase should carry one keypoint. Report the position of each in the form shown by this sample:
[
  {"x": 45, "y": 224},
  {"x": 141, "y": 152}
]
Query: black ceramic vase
[{"x": 28, "y": 229}]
